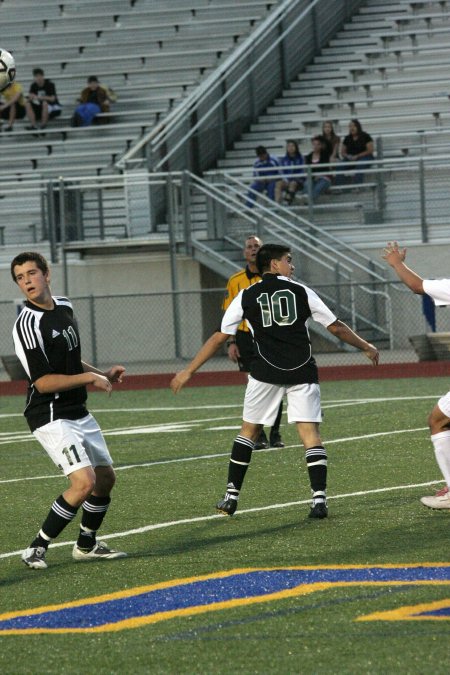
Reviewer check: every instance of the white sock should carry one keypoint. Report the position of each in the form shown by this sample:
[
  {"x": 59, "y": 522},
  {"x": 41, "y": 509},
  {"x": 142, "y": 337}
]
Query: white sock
[{"x": 441, "y": 442}]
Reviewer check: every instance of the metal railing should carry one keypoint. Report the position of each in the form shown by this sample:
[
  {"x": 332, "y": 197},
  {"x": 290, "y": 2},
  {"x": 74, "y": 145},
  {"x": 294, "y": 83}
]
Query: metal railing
[
  {"x": 410, "y": 192},
  {"x": 204, "y": 124}
]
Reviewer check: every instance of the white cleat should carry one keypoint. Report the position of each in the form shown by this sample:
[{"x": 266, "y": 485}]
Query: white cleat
[
  {"x": 99, "y": 552},
  {"x": 441, "y": 500},
  {"x": 35, "y": 558}
]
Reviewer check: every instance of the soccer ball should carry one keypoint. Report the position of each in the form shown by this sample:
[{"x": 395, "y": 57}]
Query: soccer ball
[{"x": 7, "y": 69}]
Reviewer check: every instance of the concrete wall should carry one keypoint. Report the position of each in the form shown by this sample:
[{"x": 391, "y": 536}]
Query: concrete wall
[{"x": 114, "y": 328}]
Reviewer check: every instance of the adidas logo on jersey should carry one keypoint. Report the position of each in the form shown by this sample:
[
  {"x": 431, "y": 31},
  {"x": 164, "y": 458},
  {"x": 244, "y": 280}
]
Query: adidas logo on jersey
[{"x": 55, "y": 333}]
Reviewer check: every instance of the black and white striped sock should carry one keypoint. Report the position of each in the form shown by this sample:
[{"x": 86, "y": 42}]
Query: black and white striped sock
[
  {"x": 58, "y": 518},
  {"x": 241, "y": 455},
  {"x": 94, "y": 510},
  {"x": 316, "y": 461}
]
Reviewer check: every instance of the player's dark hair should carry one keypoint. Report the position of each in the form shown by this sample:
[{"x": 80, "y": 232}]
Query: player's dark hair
[
  {"x": 269, "y": 252},
  {"x": 92, "y": 78},
  {"x": 27, "y": 256},
  {"x": 38, "y": 71}
]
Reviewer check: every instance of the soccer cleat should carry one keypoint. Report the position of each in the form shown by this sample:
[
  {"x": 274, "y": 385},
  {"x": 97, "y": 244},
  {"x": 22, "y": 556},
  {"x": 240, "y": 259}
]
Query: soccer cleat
[
  {"x": 262, "y": 442},
  {"x": 441, "y": 500},
  {"x": 99, "y": 552},
  {"x": 275, "y": 440},
  {"x": 227, "y": 505},
  {"x": 319, "y": 508},
  {"x": 35, "y": 558}
]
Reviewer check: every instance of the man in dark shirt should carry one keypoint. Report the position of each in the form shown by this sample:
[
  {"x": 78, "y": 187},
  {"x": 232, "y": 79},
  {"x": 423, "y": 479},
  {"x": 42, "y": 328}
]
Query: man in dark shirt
[
  {"x": 240, "y": 347},
  {"x": 47, "y": 342},
  {"x": 43, "y": 103},
  {"x": 277, "y": 310}
]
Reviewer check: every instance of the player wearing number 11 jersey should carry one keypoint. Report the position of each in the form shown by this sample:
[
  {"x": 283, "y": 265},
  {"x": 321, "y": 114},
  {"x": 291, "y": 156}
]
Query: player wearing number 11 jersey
[
  {"x": 277, "y": 310},
  {"x": 47, "y": 342}
]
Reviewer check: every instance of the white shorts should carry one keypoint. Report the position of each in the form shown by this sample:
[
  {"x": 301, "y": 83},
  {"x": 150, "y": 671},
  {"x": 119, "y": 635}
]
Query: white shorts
[
  {"x": 262, "y": 401},
  {"x": 444, "y": 404},
  {"x": 74, "y": 444}
]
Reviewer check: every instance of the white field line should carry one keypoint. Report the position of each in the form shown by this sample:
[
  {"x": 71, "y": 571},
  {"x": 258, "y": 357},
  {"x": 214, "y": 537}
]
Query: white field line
[
  {"x": 200, "y": 519},
  {"x": 169, "y": 427},
  {"x": 238, "y": 405},
  {"x": 224, "y": 454}
]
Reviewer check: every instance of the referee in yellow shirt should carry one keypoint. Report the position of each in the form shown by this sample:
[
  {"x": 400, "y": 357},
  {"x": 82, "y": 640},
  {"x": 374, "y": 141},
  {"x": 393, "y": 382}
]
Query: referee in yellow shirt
[{"x": 240, "y": 350}]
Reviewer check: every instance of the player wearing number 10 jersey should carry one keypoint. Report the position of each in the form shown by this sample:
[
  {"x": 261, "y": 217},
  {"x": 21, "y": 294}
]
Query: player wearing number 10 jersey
[
  {"x": 47, "y": 343},
  {"x": 277, "y": 310}
]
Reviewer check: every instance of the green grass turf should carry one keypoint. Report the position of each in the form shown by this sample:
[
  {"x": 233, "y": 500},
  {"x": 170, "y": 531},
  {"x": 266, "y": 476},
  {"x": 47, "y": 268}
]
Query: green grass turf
[{"x": 305, "y": 634}]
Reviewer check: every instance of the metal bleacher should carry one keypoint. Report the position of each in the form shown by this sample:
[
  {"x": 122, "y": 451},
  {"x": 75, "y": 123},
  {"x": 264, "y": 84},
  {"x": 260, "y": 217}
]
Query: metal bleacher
[
  {"x": 152, "y": 53},
  {"x": 387, "y": 67}
]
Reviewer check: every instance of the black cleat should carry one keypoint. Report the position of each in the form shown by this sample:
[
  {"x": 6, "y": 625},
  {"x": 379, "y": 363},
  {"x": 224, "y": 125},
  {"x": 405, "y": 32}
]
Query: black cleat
[
  {"x": 275, "y": 440},
  {"x": 227, "y": 505},
  {"x": 262, "y": 442},
  {"x": 319, "y": 510}
]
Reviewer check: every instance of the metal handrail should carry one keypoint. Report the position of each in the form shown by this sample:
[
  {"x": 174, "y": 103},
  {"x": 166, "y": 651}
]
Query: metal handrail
[
  {"x": 158, "y": 135},
  {"x": 286, "y": 217}
]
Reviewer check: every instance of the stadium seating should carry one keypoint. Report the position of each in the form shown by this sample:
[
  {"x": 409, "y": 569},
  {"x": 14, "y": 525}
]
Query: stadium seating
[
  {"x": 151, "y": 52},
  {"x": 396, "y": 86}
]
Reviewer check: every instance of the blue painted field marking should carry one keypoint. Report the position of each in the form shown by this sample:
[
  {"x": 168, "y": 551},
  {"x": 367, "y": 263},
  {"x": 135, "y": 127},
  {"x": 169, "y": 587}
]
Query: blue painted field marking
[{"x": 186, "y": 597}]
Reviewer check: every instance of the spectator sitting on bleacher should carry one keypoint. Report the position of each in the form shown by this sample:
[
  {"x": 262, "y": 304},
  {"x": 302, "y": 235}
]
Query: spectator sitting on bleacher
[
  {"x": 332, "y": 139},
  {"x": 291, "y": 181},
  {"x": 266, "y": 179},
  {"x": 42, "y": 101},
  {"x": 321, "y": 178},
  {"x": 13, "y": 105},
  {"x": 94, "y": 99},
  {"x": 356, "y": 147}
]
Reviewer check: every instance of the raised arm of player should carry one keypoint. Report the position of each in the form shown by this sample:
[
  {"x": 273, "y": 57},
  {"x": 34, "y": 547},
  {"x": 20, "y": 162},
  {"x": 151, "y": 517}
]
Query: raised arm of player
[
  {"x": 205, "y": 352},
  {"x": 395, "y": 258},
  {"x": 340, "y": 330}
]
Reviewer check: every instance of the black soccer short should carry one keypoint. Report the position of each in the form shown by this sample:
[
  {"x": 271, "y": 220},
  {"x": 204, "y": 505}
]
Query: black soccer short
[{"x": 244, "y": 342}]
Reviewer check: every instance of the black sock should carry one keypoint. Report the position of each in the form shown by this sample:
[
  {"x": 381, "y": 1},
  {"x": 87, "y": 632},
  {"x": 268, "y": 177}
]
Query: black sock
[
  {"x": 58, "y": 517},
  {"x": 316, "y": 461},
  {"x": 241, "y": 455},
  {"x": 94, "y": 510},
  {"x": 276, "y": 424}
]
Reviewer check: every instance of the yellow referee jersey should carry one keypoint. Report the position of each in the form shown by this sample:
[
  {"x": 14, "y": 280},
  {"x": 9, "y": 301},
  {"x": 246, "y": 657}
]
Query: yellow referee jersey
[{"x": 242, "y": 279}]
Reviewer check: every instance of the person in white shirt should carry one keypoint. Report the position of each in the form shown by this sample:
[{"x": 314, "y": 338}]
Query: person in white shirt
[{"x": 439, "y": 419}]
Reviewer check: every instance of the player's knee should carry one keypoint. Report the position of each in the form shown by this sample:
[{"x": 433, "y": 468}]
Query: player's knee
[
  {"x": 84, "y": 485},
  {"x": 105, "y": 480}
]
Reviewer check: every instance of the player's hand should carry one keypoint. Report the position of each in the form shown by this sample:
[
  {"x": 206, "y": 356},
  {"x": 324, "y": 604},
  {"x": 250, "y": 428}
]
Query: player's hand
[
  {"x": 102, "y": 382},
  {"x": 392, "y": 253},
  {"x": 233, "y": 352},
  {"x": 180, "y": 380},
  {"x": 372, "y": 354},
  {"x": 115, "y": 374}
]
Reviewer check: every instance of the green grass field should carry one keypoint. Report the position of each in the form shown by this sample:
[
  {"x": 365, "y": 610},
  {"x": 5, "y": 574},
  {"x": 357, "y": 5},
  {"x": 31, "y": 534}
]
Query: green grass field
[{"x": 172, "y": 456}]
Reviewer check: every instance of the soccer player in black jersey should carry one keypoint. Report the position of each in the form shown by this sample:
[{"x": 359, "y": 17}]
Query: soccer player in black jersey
[
  {"x": 277, "y": 310},
  {"x": 240, "y": 347},
  {"x": 47, "y": 343}
]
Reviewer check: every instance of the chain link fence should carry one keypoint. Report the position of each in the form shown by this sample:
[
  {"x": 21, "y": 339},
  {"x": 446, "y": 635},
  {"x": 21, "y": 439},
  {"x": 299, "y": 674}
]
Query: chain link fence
[{"x": 159, "y": 332}]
